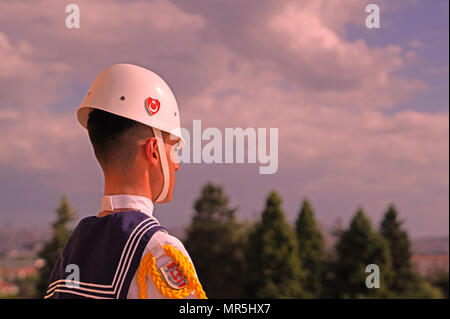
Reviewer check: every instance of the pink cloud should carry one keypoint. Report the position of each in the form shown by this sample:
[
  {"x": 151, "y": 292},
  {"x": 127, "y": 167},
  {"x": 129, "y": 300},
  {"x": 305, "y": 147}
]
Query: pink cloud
[
  {"x": 20, "y": 71},
  {"x": 40, "y": 141}
]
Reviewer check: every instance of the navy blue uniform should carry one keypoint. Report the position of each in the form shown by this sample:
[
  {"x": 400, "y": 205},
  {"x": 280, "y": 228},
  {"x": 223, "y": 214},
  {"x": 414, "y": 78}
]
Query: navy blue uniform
[{"x": 107, "y": 251}]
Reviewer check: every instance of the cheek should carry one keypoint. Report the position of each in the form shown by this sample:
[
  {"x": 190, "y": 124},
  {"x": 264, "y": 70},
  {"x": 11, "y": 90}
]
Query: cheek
[{"x": 172, "y": 156}]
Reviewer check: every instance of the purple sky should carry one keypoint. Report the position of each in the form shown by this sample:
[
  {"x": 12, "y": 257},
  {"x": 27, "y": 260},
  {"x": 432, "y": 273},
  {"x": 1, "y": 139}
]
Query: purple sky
[{"x": 362, "y": 113}]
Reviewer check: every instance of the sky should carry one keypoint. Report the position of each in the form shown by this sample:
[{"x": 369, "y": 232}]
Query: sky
[{"x": 362, "y": 114}]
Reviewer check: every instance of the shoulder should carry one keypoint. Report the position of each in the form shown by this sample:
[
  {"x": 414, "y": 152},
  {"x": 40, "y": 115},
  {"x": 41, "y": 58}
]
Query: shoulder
[
  {"x": 168, "y": 268},
  {"x": 157, "y": 246}
]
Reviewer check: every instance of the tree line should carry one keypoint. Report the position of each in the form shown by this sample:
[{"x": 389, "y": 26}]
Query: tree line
[{"x": 269, "y": 258}]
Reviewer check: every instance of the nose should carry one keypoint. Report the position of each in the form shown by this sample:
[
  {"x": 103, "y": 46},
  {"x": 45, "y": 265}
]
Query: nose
[{"x": 175, "y": 159}]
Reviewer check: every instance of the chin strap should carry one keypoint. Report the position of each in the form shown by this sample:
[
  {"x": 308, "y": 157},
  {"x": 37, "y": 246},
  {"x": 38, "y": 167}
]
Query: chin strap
[{"x": 164, "y": 165}]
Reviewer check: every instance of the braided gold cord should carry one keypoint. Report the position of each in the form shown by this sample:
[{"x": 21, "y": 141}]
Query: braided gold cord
[{"x": 148, "y": 266}]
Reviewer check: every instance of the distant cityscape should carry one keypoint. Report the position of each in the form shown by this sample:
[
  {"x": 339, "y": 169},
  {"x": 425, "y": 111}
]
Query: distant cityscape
[{"x": 19, "y": 255}]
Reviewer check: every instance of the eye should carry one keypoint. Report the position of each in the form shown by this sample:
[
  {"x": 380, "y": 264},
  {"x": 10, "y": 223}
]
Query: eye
[{"x": 177, "y": 146}]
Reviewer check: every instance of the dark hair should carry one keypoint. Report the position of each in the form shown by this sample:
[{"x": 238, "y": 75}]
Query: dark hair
[{"x": 114, "y": 139}]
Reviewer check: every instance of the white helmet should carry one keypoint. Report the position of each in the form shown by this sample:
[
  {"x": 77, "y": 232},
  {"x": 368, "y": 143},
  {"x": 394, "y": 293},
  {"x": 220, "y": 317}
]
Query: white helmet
[{"x": 138, "y": 94}]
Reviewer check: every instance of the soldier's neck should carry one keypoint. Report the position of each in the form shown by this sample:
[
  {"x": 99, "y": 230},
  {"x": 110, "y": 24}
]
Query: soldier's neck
[{"x": 119, "y": 185}]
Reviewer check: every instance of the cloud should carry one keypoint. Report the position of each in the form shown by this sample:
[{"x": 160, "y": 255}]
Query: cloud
[
  {"x": 305, "y": 43},
  {"x": 318, "y": 57},
  {"x": 357, "y": 148},
  {"x": 39, "y": 141},
  {"x": 26, "y": 80},
  {"x": 416, "y": 44}
]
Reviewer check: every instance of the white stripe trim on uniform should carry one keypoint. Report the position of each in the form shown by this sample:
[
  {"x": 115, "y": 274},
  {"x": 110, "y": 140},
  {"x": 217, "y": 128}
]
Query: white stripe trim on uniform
[
  {"x": 129, "y": 264},
  {"x": 77, "y": 293}
]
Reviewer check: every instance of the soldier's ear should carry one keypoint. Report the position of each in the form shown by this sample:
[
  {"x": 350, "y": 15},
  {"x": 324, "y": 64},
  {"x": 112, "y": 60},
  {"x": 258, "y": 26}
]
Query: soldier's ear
[{"x": 151, "y": 151}]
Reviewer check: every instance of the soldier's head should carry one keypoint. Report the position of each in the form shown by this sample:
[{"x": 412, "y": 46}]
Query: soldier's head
[
  {"x": 128, "y": 150},
  {"x": 133, "y": 123}
]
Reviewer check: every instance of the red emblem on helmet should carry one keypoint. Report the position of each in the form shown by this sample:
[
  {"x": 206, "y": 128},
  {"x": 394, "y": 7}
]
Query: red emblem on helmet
[{"x": 152, "y": 105}]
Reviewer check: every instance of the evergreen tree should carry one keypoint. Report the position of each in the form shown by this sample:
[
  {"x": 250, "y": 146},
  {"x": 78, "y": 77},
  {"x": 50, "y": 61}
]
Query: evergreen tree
[
  {"x": 440, "y": 279},
  {"x": 404, "y": 282},
  {"x": 274, "y": 268},
  {"x": 311, "y": 249},
  {"x": 52, "y": 249},
  {"x": 358, "y": 247},
  {"x": 419, "y": 288},
  {"x": 400, "y": 248},
  {"x": 28, "y": 287},
  {"x": 215, "y": 243}
]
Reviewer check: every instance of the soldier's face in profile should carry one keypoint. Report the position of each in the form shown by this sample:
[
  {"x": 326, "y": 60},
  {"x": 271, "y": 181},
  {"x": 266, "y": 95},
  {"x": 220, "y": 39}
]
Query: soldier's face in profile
[{"x": 174, "y": 165}]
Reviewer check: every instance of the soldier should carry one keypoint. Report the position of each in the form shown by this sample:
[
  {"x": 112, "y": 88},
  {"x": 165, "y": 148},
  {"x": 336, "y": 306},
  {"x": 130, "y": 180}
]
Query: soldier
[{"x": 133, "y": 123}]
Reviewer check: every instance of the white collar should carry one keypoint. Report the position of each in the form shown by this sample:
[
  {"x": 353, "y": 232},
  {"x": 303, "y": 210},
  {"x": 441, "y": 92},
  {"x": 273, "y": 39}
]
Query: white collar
[{"x": 141, "y": 203}]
